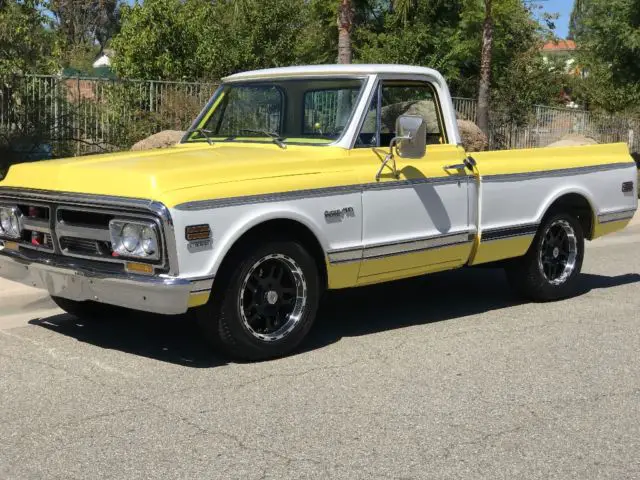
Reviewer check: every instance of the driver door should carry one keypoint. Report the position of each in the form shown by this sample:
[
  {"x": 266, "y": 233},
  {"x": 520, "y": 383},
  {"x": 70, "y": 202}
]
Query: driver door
[{"x": 417, "y": 220}]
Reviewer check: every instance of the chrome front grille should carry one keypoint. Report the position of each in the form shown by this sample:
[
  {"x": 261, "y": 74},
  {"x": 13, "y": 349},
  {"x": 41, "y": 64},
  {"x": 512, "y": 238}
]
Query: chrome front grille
[
  {"x": 77, "y": 231},
  {"x": 36, "y": 227},
  {"x": 80, "y": 246},
  {"x": 84, "y": 233}
]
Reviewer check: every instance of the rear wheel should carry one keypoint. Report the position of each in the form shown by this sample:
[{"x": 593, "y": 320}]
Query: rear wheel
[
  {"x": 550, "y": 269},
  {"x": 88, "y": 310},
  {"x": 265, "y": 303}
]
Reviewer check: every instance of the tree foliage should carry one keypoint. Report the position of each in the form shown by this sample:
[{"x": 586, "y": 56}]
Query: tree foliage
[
  {"x": 83, "y": 29},
  {"x": 199, "y": 39},
  {"x": 81, "y": 22},
  {"x": 608, "y": 37},
  {"x": 26, "y": 42}
]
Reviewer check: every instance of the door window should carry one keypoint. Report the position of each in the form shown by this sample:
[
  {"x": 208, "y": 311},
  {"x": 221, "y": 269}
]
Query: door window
[{"x": 402, "y": 98}]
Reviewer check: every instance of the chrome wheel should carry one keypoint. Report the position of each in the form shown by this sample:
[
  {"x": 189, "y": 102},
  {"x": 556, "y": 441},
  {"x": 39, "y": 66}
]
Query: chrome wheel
[
  {"x": 273, "y": 297},
  {"x": 558, "y": 252}
]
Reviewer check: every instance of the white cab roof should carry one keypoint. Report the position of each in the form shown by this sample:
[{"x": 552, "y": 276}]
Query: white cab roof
[{"x": 321, "y": 70}]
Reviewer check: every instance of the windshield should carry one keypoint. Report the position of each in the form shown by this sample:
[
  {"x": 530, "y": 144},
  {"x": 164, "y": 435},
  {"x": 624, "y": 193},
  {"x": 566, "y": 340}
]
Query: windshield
[{"x": 305, "y": 111}]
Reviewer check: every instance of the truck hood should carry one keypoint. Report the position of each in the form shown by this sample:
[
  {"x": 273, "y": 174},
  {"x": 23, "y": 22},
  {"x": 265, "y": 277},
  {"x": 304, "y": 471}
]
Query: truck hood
[{"x": 154, "y": 174}]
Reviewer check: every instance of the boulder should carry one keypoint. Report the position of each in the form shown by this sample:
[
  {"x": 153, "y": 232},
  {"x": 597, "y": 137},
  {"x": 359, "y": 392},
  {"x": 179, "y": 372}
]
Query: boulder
[
  {"x": 164, "y": 139},
  {"x": 573, "y": 140}
]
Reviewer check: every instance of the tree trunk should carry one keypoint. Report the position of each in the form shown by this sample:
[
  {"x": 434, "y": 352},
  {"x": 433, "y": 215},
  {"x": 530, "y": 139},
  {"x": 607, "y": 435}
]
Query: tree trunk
[
  {"x": 484, "y": 89},
  {"x": 345, "y": 23}
]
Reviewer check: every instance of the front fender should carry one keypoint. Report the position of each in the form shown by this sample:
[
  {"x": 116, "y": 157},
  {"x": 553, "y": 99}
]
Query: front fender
[{"x": 229, "y": 224}]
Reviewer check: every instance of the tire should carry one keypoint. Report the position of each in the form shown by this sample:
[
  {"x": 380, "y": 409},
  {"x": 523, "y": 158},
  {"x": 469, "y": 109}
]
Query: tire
[
  {"x": 551, "y": 267},
  {"x": 88, "y": 310},
  {"x": 265, "y": 303}
]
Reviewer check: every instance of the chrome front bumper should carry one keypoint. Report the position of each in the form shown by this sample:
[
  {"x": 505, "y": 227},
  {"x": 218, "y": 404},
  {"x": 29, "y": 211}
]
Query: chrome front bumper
[{"x": 164, "y": 295}]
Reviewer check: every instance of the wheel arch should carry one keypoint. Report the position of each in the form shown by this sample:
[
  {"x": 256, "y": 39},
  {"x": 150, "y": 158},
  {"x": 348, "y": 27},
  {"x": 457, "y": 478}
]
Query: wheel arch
[
  {"x": 287, "y": 227},
  {"x": 576, "y": 201}
]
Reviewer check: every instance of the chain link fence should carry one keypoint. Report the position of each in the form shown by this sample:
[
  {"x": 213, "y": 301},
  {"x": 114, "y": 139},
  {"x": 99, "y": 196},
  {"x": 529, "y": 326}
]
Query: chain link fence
[{"x": 50, "y": 116}]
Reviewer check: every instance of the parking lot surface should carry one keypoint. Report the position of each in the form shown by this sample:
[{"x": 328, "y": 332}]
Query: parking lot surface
[{"x": 446, "y": 376}]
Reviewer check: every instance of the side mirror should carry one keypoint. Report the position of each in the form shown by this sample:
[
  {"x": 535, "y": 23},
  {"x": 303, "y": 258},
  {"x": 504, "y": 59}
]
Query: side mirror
[{"x": 411, "y": 140}]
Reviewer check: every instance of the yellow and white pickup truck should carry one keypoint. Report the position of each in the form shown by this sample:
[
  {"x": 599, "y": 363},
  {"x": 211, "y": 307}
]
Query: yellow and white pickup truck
[{"x": 296, "y": 180}]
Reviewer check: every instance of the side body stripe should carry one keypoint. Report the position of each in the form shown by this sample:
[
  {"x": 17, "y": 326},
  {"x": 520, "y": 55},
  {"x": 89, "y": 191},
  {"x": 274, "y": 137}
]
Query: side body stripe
[
  {"x": 371, "y": 252},
  {"x": 616, "y": 216},
  {"x": 492, "y": 234},
  {"x": 341, "y": 190}
]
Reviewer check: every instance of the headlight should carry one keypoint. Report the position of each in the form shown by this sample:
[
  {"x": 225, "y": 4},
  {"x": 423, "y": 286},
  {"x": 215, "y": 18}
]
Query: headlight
[
  {"x": 149, "y": 241},
  {"x": 134, "y": 239},
  {"x": 10, "y": 222}
]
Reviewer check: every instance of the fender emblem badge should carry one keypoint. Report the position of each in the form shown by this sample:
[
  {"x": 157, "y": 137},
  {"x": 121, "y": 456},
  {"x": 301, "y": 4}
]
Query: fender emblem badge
[{"x": 339, "y": 214}]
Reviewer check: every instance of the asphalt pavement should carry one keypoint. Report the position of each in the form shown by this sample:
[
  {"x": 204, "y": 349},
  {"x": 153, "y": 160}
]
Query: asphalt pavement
[{"x": 446, "y": 376}]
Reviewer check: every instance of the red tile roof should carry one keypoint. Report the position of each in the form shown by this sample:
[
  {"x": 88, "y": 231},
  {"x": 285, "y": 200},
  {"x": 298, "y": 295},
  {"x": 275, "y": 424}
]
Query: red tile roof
[{"x": 560, "y": 45}]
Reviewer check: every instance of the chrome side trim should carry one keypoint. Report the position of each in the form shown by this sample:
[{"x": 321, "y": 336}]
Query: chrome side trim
[
  {"x": 616, "y": 216},
  {"x": 524, "y": 230},
  {"x": 415, "y": 246},
  {"x": 414, "y": 182},
  {"x": 345, "y": 256},
  {"x": 381, "y": 250},
  {"x": 315, "y": 192},
  {"x": 514, "y": 177},
  {"x": 269, "y": 197},
  {"x": 201, "y": 285}
]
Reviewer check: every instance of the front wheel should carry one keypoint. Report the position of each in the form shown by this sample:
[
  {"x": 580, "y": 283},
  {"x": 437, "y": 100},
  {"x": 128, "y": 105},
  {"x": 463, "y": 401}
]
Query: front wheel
[
  {"x": 551, "y": 267},
  {"x": 266, "y": 301}
]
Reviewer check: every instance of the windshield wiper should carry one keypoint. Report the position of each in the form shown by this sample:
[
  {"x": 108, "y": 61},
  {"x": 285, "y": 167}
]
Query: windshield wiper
[
  {"x": 277, "y": 139},
  {"x": 204, "y": 132}
]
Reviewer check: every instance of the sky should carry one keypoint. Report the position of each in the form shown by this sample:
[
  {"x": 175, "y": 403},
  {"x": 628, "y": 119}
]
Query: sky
[{"x": 562, "y": 7}]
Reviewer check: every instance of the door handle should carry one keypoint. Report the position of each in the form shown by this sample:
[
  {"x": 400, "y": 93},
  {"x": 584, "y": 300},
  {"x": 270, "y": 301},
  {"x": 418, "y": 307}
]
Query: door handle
[{"x": 456, "y": 166}]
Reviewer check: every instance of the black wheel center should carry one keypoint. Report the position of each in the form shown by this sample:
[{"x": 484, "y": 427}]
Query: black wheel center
[
  {"x": 556, "y": 252},
  {"x": 269, "y": 296}
]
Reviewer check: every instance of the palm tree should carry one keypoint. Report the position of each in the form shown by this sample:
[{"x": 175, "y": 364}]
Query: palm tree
[
  {"x": 403, "y": 8},
  {"x": 484, "y": 88},
  {"x": 346, "y": 16}
]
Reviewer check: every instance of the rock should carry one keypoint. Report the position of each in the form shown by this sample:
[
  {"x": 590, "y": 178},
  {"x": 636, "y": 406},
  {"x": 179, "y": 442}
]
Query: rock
[
  {"x": 164, "y": 139},
  {"x": 473, "y": 139},
  {"x": 573, "y": 140}
]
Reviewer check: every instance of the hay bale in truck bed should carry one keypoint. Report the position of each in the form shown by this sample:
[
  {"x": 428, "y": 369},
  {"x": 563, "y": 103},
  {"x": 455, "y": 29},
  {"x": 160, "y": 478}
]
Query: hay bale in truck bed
[
  {"x": 164, "y": 139},
  {"x": 573, "y": 140},
  {"x": 473, "y": 139}
]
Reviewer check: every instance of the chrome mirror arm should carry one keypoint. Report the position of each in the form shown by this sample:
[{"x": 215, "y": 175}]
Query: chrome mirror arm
[{"x": 391, "y": 157}]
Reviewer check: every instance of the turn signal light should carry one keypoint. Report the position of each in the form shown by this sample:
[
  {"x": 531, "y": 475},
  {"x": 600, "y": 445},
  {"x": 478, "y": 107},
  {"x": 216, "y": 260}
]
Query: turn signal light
[
  {"x": 143, "y": 268},
  {"x": 197, "y": 232}
]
